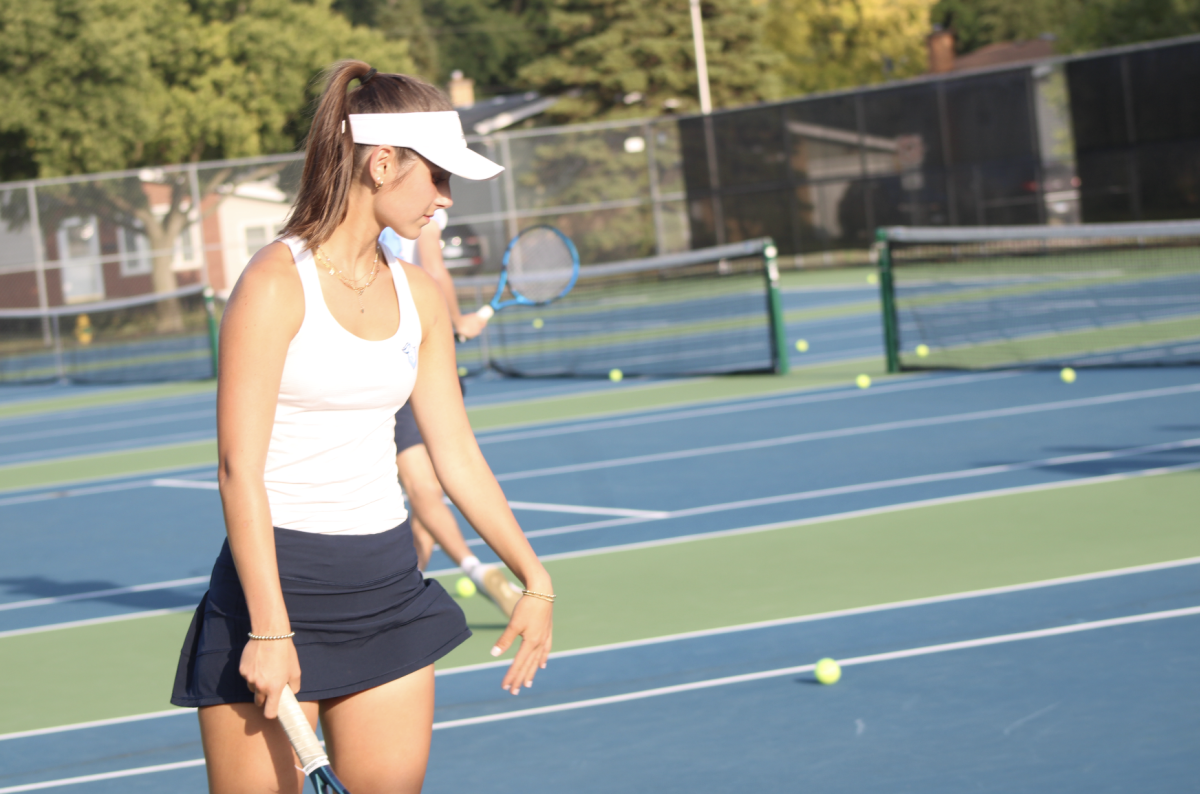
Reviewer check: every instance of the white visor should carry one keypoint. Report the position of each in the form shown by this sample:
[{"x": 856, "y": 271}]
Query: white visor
[{"x": 437, "y": 136}]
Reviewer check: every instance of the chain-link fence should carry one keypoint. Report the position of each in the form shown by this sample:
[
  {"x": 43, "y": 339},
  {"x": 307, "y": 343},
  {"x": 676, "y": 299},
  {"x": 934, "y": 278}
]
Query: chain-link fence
[{"x": 79, "y": 253}]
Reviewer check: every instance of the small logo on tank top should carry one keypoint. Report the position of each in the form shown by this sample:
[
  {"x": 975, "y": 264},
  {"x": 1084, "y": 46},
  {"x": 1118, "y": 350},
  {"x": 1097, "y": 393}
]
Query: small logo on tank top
[{"x": 411, "y": 352}]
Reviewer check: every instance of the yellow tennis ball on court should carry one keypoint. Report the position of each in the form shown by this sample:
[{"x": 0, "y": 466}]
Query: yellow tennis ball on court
[
  {"x": 802, "y": 345},
  {"x": 1067, "y": 375},
  {"x": 872, "y": 278},
  {"x": 863, "y": 381},
  {"x": 922, "y": 350},
  {"x": 615, "y": 375},
  {"x": 462, "y": 372},
  {"x": 828, "y": 671},
  {"x": 465, "y": 587},
  {"x": 537, "y": 322}
]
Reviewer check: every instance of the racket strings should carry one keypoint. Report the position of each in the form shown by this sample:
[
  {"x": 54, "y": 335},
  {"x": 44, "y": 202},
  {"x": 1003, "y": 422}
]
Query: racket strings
[{"x": 540, "y": 265}]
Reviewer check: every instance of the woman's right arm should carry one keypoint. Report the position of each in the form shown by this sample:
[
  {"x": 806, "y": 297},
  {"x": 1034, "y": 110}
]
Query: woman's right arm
[{"x": 264, "y": 313}]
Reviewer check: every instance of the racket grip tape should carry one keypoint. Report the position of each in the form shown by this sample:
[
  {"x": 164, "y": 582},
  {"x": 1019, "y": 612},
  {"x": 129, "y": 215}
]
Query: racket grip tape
[
  {"x": 300, "y": 733},
  {"x": 486, "y": 312}
]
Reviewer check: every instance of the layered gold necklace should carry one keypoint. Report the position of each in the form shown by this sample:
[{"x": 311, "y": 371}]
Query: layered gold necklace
[{"x": 352, "y": 283}]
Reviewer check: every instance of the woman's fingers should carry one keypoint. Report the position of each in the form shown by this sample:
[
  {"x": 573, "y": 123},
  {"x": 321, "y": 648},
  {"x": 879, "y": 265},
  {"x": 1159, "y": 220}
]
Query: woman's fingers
[
  {"x": 267, "y": 669},
  {"x": 532, "y": 622}
]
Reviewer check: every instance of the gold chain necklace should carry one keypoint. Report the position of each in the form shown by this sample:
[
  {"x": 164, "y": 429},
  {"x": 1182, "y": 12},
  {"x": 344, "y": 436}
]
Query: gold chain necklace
[{"x": 349, "y": 283}]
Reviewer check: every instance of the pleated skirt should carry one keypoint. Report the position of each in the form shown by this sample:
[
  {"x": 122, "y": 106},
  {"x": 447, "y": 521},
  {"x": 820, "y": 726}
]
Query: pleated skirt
[{"x": 362, "y": 612}]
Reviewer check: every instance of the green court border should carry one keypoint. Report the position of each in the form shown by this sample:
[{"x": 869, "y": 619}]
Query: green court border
[{"x": 125, "y": 668}]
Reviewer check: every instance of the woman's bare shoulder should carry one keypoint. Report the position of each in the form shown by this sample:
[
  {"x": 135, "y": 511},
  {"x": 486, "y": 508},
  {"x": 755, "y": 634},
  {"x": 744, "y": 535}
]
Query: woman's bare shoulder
[
  {"x": 270, "y": 285},
  {"x": 427, "y": 295}
]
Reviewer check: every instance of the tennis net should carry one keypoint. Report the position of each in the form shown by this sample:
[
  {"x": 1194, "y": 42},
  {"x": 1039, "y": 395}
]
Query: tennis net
[
  {"x": 1041, "y": 296},
  {"x": 160, "y": 337},
  {"x": 710, "y": 311}
]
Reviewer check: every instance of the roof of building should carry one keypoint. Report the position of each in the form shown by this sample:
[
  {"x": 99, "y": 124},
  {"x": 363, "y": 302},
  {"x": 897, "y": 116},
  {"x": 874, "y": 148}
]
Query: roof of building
[
  {"x": 1005, "y": 52},
  {"x": 490, "y": 115}
]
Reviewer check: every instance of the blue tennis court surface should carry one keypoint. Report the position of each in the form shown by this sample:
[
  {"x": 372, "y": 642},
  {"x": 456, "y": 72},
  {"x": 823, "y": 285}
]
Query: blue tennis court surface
[{"x": 1035, "y": 683}]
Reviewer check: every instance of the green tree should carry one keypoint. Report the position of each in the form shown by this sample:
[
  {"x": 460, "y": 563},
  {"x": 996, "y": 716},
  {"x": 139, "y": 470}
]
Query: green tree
[
  {"x": 488, "y": 40},
  {"x": 1076, "y": 25},
  {"x": 629, "y": 58},
  {"x": 842, "y": 43},
  {"x": 98, "y": 85}
]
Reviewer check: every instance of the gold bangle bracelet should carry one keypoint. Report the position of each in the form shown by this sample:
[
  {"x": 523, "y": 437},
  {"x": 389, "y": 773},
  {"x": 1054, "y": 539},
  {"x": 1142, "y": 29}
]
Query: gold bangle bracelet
[
  {"x": 254, "y": 636},
  {"x": 543, "y": 596}
]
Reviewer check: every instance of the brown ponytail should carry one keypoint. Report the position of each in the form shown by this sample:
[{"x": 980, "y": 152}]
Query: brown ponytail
[{"x": 332, "y": 160}]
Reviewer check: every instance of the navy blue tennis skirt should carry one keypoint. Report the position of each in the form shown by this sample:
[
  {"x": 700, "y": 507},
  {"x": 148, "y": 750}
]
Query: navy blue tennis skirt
[
  {"x": 407, "y": 434},
  {"x": 362, "y": 612}
]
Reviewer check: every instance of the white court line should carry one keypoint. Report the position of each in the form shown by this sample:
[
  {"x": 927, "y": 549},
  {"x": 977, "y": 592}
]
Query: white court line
[
  {"x": 927, "y": 650},
  {"x": 711, "y": 683},
  {"x": 87, "y": 450},
  {"x": 653, "y": 515},
  {"x": 74, "y": 781},
  {"x": 752, "y": 404},
  {"x": 141, "y": 421},
  {"x": 588, "y": 511},
  {"x": 689, "y": 635},
  {"x": 78, "y": 726},
  {"x": 871, "y": 511},
  {"x": 837, "y": 613},
  {"x": 840, "y": 490},
  {"x": 905, "y": 424},
  {"x": 75, "y": 624},
  {"x": 66, "y": 490},
  {"x": 199, "y": 485},
  {"x": 137, "y": 588}
]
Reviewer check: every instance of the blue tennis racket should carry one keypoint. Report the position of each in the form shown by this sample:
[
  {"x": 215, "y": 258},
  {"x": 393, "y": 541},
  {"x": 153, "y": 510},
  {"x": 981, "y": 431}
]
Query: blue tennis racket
[
  {"x": 540, "y": 265},
  {"x": 308, "y": 749}
]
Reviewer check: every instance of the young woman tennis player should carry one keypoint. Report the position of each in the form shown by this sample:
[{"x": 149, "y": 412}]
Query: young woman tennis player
[{"x": 317, "y": 587}]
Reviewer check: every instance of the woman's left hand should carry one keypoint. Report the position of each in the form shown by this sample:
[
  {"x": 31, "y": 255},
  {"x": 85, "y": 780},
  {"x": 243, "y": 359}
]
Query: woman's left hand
[{"x": 533, "y": 621}]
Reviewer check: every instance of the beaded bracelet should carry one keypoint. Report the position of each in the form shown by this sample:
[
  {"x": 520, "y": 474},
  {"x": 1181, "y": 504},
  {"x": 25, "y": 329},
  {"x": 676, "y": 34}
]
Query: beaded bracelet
[
  {"x": 254, "y": 636},
  {"x": 542, "y": 596}
]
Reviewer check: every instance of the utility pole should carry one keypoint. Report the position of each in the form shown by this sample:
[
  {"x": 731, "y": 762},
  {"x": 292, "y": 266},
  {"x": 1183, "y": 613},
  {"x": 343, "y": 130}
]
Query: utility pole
[
  {"x": 710, "y": 143},
  {"x": 701, "y": 59}
]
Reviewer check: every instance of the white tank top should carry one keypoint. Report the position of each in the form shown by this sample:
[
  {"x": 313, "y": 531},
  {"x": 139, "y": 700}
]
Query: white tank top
[{"x": 331, "y": 464}]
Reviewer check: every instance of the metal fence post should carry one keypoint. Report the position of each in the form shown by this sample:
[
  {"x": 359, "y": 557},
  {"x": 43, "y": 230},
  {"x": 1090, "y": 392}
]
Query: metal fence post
[
  {"x": 510, "y": 188},
  {"x": 660, "y": 246},
  {"x": 887, "y": 301},
  {"x": 779, "y": 343},
  {"x": 194, "y": 184},
  {"x": 39, "y": 262}
]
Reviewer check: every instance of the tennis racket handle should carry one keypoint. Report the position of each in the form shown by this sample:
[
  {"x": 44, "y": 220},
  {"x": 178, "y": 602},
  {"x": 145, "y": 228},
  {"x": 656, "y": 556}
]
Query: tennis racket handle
[
  {"x": 486, "y": 312},
  {"x": 300, "y": 733}
]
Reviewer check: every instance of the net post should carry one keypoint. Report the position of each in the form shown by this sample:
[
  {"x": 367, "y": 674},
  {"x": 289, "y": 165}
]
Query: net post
[
  {"x": 210, "y": 310},
  {"x": 887, "y": 300},
  {"x": 779, "y": 346}
]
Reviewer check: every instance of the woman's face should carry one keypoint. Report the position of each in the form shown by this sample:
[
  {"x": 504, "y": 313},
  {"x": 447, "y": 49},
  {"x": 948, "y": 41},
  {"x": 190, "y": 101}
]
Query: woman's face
[{"x": 407, "y": 203}]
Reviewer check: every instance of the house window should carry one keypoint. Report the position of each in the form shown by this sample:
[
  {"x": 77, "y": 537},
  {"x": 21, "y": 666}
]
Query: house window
[
  {"x": 135, "y": 252},
  {"x": 79, "y": 256},
  {"x": 256, "y": 238}
]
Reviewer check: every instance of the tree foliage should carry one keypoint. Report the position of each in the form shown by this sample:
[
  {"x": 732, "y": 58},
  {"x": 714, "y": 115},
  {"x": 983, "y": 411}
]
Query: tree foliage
[
  {"x": 1076, "y": 25},
  {"x": 624, "y": 58},
  {"x": 841, "y": 43},
  {"x": 95, "y": 85},
  {"x": 488, "y": 40}
]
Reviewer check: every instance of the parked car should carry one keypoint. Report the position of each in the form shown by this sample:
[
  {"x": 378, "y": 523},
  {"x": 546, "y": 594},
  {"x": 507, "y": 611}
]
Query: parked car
[{"x": 463, "y": 250}]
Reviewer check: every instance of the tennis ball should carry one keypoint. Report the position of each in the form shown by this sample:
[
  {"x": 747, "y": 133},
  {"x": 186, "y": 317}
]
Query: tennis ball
[
  {"x": 922, "y": 350},
  {"x": 615, "y": 375},
  {"x": 802, "y": 345},
  {"x": 465, "y": 587},
  {"x": 863, "y": 381},
  {"x": 872, "y": 278},
  {"x": 1067, "y": 375},
  {"x": 828, "y": 671},
  {"x": 462, "y": 372},
  {"x": 537, "y": 322}
]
